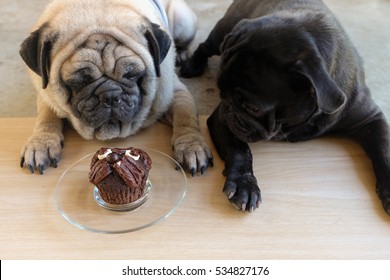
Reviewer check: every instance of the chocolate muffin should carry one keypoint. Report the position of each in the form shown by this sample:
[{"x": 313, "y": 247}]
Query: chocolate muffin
[{"x": 120, "y": 174}]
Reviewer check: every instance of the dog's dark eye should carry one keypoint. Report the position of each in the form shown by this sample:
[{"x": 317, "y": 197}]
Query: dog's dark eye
[
  {"x": 133, "y": 73},
  {"x": 79, "y": 78},
  {"x": 130, "y": 75},
  {"x": 252, "y": 108}
]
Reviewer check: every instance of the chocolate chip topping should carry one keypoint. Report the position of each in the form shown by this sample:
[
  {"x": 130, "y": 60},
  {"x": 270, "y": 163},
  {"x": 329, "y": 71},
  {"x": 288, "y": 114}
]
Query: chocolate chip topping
[{"x": 113, "y": 157}]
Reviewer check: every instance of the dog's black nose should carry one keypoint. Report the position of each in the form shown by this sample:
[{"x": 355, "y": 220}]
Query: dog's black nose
[
  {"x": 109, "y": 94},
  {"x": 110, "y": 99}
]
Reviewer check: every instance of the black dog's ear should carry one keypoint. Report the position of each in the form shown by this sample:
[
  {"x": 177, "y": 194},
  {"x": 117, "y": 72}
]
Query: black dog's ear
[
  {"x": 237, "y": 38},
  {"x": 35, "y": 51},
  {"x": 159, "y": 43},
  {"x": 330, "y": 97},
  {"x": 246, "y": 33}
]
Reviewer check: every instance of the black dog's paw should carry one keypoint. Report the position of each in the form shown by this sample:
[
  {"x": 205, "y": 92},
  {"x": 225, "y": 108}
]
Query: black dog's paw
[
  {"x": 384, "y": 195},
  {"x": 193, "y": 67},
  {"x": 243, "y": 192}
]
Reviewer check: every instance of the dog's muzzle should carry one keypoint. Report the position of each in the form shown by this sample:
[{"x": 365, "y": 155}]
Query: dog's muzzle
[{"x": 110, "y": 94}]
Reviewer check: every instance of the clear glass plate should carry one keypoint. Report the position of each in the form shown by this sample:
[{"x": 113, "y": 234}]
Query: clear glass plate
[{"x": 76, "y": 197}]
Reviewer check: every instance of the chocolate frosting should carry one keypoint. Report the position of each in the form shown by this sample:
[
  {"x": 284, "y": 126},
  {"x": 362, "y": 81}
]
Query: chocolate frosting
[{"x": 132, "y": 165}]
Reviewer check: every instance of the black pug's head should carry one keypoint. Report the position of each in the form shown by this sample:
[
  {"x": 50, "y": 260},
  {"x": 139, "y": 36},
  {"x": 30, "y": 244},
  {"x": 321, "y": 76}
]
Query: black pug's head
[{"x": 273, "y": 79}]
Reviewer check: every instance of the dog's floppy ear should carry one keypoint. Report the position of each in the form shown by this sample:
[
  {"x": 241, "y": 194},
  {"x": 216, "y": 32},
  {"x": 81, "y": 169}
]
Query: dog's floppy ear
[
  {"x": 330, "y": 97},
  {"x": 238, "y": 37},
  {"x": 159, "y": 44},
  {"x": 35, "y": 51}
]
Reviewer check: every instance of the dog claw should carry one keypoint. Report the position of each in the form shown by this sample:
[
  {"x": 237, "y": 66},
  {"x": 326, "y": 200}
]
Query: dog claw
[
  {"x": 40, "y": 169},
  {"x": 22, "y": 162},
  {"x": 231, "y": 194},
  {"x": 31, "y": 168},
  {"x": 243, "y": 206},
  {"x": 255, "y": 202}
]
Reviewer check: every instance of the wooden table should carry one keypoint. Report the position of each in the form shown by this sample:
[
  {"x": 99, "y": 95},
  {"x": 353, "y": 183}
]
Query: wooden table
[{"x": 319, "y": 202}]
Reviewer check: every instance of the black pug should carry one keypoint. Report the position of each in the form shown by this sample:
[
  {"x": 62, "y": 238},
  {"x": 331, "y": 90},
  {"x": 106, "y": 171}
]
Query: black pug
[{"x": 288, "y": 71}]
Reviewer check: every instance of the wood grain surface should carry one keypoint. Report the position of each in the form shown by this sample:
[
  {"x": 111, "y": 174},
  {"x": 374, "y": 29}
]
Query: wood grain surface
[{"x": 319, "y": 202}]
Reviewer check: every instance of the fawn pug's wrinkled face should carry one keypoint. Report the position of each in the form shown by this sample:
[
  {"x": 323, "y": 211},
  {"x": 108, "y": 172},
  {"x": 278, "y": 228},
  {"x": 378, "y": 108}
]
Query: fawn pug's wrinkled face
[{"x": 104, "y": 79}]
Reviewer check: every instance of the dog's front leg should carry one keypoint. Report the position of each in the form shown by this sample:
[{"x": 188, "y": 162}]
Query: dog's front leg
[
  {"x": 375, "y": 139},
  {"x": 241, "y": 186},
  {"x": 43, "y": 148},
  {"x": 190, "y": 148}
]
